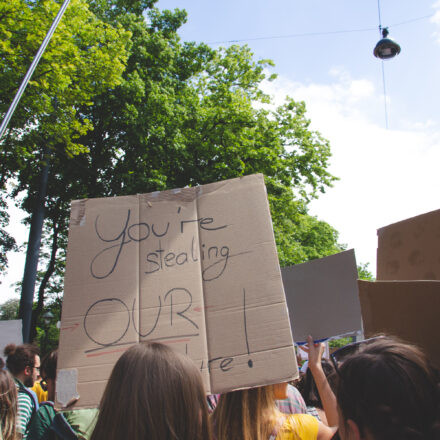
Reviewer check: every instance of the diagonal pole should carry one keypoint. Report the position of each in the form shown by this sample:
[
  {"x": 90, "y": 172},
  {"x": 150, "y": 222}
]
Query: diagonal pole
[{"x": 31, "y": 69}]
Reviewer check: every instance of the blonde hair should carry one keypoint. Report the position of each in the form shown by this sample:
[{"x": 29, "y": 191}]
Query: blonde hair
[
  {"x": 246, "y": 414},
  {"x": 8, "y": 405}
]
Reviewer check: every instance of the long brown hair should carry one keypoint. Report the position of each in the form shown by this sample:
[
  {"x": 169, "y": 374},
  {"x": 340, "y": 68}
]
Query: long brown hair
[
  {"x": 153, "y": 393},
  {"x": 8, "y": 405},
  {"x": 390, "y": 390},
  {"x": 246, "y": 414}
]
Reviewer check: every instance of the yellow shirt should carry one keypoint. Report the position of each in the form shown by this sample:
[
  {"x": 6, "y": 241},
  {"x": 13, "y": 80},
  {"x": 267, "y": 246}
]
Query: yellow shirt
[
  {"x": 41, "y": 394},
  {"x": 299, "y": 427}
]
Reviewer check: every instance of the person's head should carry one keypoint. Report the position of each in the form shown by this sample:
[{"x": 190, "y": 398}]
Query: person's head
[
  {"x": 246, "y": 414},
  {"x": 8, "y": 404},
  {"x": 388, "y": 391},
  {"x": 308, "y": 388},
  {"x": 153, "y": 393},
  {"x": 23, "y": 362},
  {"x": 49, "y": 373}
]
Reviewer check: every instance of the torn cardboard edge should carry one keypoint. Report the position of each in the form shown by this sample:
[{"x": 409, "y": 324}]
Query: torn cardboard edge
[{"x": 78, "y": 212}]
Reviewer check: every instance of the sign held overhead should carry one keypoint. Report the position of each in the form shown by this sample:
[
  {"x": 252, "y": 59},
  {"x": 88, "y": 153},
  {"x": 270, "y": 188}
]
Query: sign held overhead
[
  {"x": 410, "y": 249},
  {"x": 322, "y": 297},
  {"x": 195, "y": 268}
]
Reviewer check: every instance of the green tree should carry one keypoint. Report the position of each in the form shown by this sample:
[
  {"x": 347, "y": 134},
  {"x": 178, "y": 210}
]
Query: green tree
[
  {"x": 9, "y": 309},
  {"x": 183, "y": 114},
  {"x": 7, "y": 242},
  {"x": 85, "y": 57},
  {"x": 364, "y": 272},
  {"x": 340, "y": 342}
]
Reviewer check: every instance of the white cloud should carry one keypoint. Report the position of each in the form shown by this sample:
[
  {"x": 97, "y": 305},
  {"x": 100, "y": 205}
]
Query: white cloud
[
  {"x": 436, "y": 20},
  {"x": 385, "y": 175}
]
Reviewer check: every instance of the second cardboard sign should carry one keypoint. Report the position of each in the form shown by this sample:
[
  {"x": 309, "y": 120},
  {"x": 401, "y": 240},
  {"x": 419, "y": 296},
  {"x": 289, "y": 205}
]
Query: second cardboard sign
[{"x": 322, "y": 296}]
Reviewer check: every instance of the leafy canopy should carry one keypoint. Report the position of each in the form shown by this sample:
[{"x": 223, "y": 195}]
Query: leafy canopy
[
  {"x": 127, "y": 108},
  {"x": 84, "y": 57}
]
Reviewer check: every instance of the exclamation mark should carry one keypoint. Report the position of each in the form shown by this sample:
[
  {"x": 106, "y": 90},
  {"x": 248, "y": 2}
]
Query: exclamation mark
[{"x": 250, "y": 363}]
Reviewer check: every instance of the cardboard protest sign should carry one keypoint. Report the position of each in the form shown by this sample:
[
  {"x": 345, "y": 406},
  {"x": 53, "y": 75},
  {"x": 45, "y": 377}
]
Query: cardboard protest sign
[
  {"x": 407, "y": 309},
  {"x": 322, "y": 297},
  {"x": 10, "y": 333},
  {"x": 410, "y": 249},
  {"x": 195, "y": 268}
]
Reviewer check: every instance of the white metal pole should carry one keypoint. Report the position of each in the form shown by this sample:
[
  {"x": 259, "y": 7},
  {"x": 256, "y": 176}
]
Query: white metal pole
[{"x": 32, "y": 67}]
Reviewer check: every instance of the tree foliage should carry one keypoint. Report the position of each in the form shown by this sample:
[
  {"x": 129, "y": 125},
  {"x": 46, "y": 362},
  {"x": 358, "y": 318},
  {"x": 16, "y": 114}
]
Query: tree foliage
[
  {"x": 364, "y": 272},
  {"x": 85, "y": 56},
  {"x": 9, "y": 309},
  {"x": 7, "y": 242},
  {"x": 180, "y": 114}
]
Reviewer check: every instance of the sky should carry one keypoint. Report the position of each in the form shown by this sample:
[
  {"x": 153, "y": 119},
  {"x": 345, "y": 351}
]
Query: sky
[{"x": 323, "y": 54}]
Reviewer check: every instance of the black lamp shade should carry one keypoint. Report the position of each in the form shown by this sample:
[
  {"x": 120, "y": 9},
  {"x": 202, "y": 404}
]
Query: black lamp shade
[{"x": 386, "y": 47}]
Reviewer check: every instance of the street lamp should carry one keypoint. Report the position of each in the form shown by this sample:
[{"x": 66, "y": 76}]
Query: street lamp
[
  {"x": 48, "y": 317},
  {"x": 386, "y": 47}
]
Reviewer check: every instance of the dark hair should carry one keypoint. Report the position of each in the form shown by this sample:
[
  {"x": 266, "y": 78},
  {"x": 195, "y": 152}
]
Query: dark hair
[
  {"x": 19, "y": 357},
  {"x": 8, "y": 404},
  {"x": 390, "y": 390},
  {"x": 307, "y": 385},
  {"x": 49, "y": 365},
  {"x": 153, "y": 393}
]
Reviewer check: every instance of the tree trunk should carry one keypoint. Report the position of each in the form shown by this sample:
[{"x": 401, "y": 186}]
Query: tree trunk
[{"x": 49, "y": 271}]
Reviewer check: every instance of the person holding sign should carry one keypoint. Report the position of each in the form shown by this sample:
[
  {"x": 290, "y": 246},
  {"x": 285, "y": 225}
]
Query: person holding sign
[
  {"x": 153, "y": 393},
  {"x": 252, "y": 414},
  {"x": 386, "y": 390}
]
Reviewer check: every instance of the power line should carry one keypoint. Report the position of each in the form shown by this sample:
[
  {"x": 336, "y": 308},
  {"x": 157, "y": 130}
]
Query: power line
[
  {"x": 313, "y": 34},
  {"x": 383, "y": 71},
  {"x": 384, "y": 95},
  {"x": 412, "y": 20},
  {"x": 305, "y": 34},
  {"x": 378, "y": 11}
]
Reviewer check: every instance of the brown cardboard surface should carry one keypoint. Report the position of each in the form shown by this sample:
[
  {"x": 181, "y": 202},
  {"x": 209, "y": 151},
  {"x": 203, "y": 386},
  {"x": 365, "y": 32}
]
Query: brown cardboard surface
[
  {"x": 410, "y": 249},
  {"x": 407, "y": 309},
  {"x": 322, "y": 297},
  {"x": 195, "y": 268}
]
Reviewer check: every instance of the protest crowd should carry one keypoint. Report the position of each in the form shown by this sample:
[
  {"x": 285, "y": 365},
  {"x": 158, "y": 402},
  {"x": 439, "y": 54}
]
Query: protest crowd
[
  {"x": 116, "y": 374},
  {"x": 381, "y": 389}
]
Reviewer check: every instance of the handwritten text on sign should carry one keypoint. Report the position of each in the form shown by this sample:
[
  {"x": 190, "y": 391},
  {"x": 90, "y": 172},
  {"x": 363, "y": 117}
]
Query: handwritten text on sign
[{"x": 161, "y": 259}]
